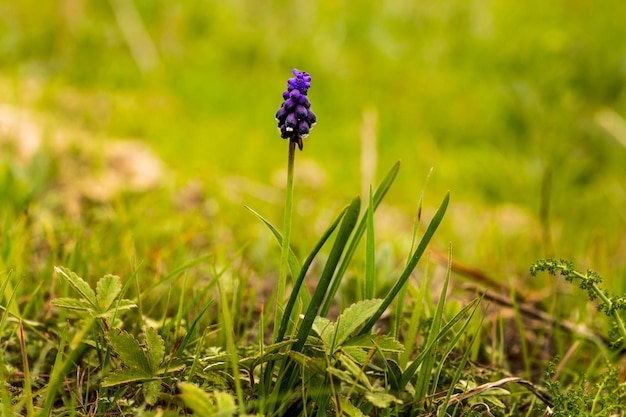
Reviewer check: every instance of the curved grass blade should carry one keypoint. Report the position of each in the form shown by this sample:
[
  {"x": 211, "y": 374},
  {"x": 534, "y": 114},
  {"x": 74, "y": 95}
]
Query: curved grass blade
[
  {"x": 430, "y": 231},
  {"x": 345, "y": 230},
  {"x": 421, "y": 387},
  {"x": 412, "y": 368}
]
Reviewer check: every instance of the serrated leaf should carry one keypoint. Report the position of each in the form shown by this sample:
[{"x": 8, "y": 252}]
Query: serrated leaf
[
  {"x": 72, "y": 304},
  {"x": 171, "y": 366},
  {"x": 128, "y": 350},
  {"x": 383, "y": 343},
  {"x": 358, "y": 354},
  {"x": 154, "y": 347},
  {"x": 321, "y": 326},
  {"x": 348, "y": 408},
  {"x": 151, "y": 391},
  {"x": 124, "y": 305},
  {"x": 351, "y": 319},
  {"x": 124, "y": 376},
  {"x": 225, "y": 404},
  {"x": 107, "y": 289},
  {"x": 356, "y": 369},
  {"x": 78, "y": 284},
  {"x": 315, "y": 365},
  {"x": 381, "y": 399},
  {"x": 196, "y": 399}
]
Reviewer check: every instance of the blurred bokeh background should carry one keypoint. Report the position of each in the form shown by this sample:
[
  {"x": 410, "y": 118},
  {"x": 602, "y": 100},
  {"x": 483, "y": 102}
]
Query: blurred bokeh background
[{"x": 519, "y": 106}]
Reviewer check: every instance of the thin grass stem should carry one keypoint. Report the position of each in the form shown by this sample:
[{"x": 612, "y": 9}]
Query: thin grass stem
[{"x": 284, "y": 252}]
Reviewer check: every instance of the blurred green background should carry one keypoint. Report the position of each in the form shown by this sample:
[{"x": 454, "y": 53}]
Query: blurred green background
[{"x": 499, "y": 97}]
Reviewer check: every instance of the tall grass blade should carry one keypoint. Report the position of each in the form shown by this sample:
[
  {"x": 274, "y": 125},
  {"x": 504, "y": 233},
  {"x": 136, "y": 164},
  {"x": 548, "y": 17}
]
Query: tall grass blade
[
  {"x": 421, "y": 248},
  {"x": 305, "y": 267},
  {"x": 232, "y": 347},
  {"x": 345, "y": 230},
  {"x": 412, "y": 368},
  {"x": 423, "y": 379},
  {"x": 461, "y": 367}
]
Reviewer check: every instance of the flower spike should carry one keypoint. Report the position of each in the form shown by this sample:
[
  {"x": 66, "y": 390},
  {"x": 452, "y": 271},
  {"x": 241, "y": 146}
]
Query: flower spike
[{"x": 295, "y": 118}]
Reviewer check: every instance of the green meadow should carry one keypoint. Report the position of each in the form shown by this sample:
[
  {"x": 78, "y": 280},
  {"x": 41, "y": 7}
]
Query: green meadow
[{"x": 456, "y": 238}]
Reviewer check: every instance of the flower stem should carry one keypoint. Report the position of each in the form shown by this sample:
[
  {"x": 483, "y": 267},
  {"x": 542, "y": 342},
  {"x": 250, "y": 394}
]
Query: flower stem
[{"x": 285, "y": 247}]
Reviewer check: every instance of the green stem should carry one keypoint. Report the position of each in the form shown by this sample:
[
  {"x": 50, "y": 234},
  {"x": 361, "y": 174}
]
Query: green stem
[
  {"x": 606, "y": 300},
  {"x": 284, "y": 253},
  {"x": 614, "y": 312}
]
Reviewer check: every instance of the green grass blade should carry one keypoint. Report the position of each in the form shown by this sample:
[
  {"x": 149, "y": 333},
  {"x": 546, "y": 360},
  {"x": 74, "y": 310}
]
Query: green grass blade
[
  {"x": 345, "y": 230},
  {"x": 370, "y": 259},
  {"x": 421, "y": 248},
  {"x": 412, "y": 368},
  {"x": 461, "y": 367},
  {"x": 379, "y": 194},
  {"x": 305, "y": 267},
  {"x": 173, "y": 274},
  {"x": 232, "y": 347},
  {"x": 421, "y": 387},
  {"x": 416, "y": 314}
]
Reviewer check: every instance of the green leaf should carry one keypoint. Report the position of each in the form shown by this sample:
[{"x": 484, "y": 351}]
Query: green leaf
[
  {"x": 107, "y": 289},
  {"x": 348, "y": 408},
  {"x": 155, "y": 348},
  {"x": 196, "y": 399},
  {"x": 383, "y": 343},
  {"x": 357, "y": 354},
  {"x": 216, "y": 404},
  {"x": 381, "y": 399},
  {"x": 125, "y": 305},
  {"x": 72, "y": 304},
  {"x": 78, "y": 284},
  {"x": 225, "y": 404},
  {"x": 321, "y": 325},
  {"x": 151, "y": 391},
  {"x": 351, "y": 319},
  {"x": 128, "y": 350},
  {"x": 124, "y": 376}
]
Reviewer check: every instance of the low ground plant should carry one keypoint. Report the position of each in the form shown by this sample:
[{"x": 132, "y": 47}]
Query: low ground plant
[{"x": 74, "y": 344}]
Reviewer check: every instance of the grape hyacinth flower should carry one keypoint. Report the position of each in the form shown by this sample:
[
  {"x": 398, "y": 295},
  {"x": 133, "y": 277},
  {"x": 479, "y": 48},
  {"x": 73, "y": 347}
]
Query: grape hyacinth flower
[{"x": 295, "y": 118}]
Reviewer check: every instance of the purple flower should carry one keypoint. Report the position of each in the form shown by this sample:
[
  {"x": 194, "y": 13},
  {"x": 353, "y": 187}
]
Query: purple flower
[{"x": 295, "y": 118}]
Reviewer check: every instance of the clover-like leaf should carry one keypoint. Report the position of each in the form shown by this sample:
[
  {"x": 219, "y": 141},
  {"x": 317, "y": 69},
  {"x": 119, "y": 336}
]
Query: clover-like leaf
[
  {"x": 204, "y": 404},
  {"x": 128, "y": 350},
  {"x": 72, "y": 304},
  {"x": 151, "y": 391},
  {"x": 107, "y": 289},
  {"x": 124, "y": 376},
  {"x": 351, "y": 319},
  {"x": 155, "y": 348},
  {"x": 78, "y": 284}
]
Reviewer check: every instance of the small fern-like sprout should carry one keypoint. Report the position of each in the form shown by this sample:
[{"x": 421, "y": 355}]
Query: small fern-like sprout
[{"x": 609, "y": 304}]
